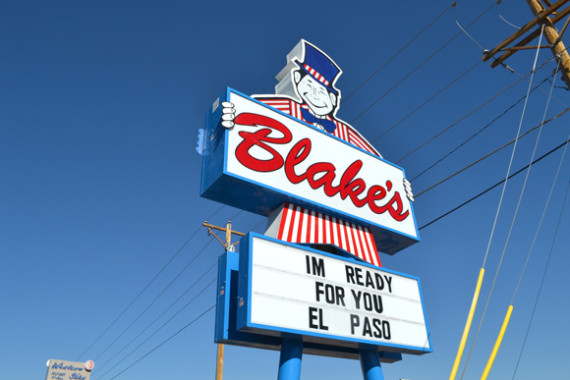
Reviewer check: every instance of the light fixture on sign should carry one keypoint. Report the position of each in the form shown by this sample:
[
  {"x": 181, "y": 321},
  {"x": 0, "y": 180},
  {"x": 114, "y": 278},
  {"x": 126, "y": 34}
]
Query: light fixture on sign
[{"x": 89, "y": 365}]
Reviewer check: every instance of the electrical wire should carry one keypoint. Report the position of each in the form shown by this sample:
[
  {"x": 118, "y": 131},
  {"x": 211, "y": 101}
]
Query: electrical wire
[
  {"x": 533, "y": 243},
  {"x": 499, "y": 207},
  {"x": 540, "y": 222},
  {"x": 155, "y": 298},
  {"x": 480, "y": 130},
  {"x": 491, "y": 153},
  {"x": 161, "y": 314},
  {"x": 145, "y": 288},
  {"x": 168, "y": 308},
  {"x": 236, "y": 215},
  {"x": 164, "y": 342},
  {"x": 429, "y": 100},
  {"x": 505, "y": 20},
  {"x": 469, "y": 114},
  {"x": 525, "y": 181},
  {"x": 461, "y": 119},
  {"x": 493, "y": 186},
  {"x": 512, "y": 106},
  {"x": 161, "y": 326},
  {"x": 465, "y": 31},
  {"x": 521, "y": 195},
  {"x": 543, "y": 277},
  {"x": 398, "y": 52},
  {"x": 417, "y": 67},
  {"x": 544, "y": 91}
]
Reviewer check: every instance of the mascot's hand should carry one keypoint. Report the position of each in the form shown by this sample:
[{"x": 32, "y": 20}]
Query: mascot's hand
[
  {"x": 408, "y": 187},
  {"x": 228, "y": 115}
]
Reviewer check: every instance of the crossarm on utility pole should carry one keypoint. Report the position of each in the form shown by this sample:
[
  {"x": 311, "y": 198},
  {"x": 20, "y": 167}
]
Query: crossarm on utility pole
[
  {"x": 228, "y": 230},
  {"x": 553, "y": 38},
  {"x": 529, "y": 38},
  {"x": 540, "y": 17}
]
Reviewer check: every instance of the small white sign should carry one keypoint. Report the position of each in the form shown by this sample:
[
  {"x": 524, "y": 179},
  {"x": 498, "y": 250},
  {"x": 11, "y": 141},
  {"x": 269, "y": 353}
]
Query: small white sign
[
  {"x": 68, "y": 370},
  {"x": 298, "y": 290}
]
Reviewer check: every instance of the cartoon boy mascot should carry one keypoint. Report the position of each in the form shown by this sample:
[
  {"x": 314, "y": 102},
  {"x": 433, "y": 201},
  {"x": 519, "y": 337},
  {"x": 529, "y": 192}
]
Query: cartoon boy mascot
[
  {"x": 307, "y": 92},
  {"x": 313, "y": 82}
]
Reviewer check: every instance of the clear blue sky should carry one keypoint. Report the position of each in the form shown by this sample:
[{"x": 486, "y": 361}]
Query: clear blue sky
[{"x": 100, "y": 103}]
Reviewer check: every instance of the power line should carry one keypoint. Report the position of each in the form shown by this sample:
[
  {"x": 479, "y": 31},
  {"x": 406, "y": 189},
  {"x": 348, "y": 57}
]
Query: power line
[
  {"x": 463, "y": 118},
  {"x": 475, "y": 110},
  {"x": 155, "y": 298},
  {"x": 161, "y": 327},
  {"x": 168, "y": 308},
  {"x": 417, "y": 67},
  {"x": 528, "y": 172},
  {"x": 470, "y": 137},
  {"x": 540, "y": 223},
  {"x": 491, "y": 153},
  {"x": 504, "y": 19},
  {"x": 398, "y": 52},
  {"x": 161, "y": 314},
  {"x": 493, "y": 186},
  {"x": 428, "y": 100},
  {"x": 543, "y": 277},
  {"x": 139, "y": 294},
  {"x": 553, "y": 97},
  {"x": 163, "y": 342},
  {"x": 489, "y": 364},
  {"x": 467, "y": 34},
  {"x": 146, "y": 287}
]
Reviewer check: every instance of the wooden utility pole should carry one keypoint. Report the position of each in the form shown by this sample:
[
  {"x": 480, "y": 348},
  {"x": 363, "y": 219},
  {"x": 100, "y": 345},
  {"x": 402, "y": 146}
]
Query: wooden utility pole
[
  {"x": 553, "y": 37},
  {"x": 228, "y": 246}
]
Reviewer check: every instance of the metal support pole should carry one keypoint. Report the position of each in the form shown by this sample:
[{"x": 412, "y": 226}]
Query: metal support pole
[
  {"x": 370, "y": 363},
  {"x": 290, "y": 359},
  {"x": 220, "y": 363}
]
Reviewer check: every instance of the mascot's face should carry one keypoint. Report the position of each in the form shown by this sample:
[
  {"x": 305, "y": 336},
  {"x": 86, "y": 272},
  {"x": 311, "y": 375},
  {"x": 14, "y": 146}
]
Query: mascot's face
[{"x": 321, "y": 101}]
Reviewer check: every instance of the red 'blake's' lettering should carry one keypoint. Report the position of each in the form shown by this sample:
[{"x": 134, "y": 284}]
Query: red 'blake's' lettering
[{"x": 319, "y": 174}]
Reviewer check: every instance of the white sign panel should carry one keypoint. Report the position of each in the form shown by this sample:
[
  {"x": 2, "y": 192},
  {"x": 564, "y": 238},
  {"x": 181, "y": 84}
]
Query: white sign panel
[
  {"x": 274, "y": 150},
  {"x": 298, "y": 290},
  {"x": 68, "y": 370}
]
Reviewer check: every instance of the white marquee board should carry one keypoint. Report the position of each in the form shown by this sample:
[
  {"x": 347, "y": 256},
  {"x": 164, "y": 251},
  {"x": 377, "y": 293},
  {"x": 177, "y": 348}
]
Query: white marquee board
[{"x": 286, "y": 288}]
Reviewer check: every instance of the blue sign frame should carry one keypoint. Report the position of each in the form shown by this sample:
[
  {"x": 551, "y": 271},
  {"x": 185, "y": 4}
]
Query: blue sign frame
[{"x": 244, "y": 324}]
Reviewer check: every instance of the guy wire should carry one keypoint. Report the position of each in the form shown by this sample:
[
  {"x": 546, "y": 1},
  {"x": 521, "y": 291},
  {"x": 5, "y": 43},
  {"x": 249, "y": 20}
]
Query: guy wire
[{"x": 499, "y": 207}]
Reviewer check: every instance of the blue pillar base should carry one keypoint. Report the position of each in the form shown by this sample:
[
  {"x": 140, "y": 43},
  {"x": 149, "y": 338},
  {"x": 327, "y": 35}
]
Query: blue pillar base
[
  {"x": 370, "y": 363},
  {"x": 290, "y": 359}
]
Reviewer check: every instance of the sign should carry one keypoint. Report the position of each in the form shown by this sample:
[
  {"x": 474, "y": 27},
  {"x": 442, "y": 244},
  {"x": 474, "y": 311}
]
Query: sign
[
  {"x": 313, "y": 283},
  {"x": 268, "y": 158},
  {"x": 226, "y": 331},
  {"x": 66, "y": 370},
  {"x": 286, "y": 288}
]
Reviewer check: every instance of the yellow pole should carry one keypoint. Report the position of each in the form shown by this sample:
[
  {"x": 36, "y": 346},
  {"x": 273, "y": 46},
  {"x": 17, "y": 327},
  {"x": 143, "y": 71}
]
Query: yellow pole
[
  {"x": 497, "y": 344},
  {"x": 467, "y": 325}
]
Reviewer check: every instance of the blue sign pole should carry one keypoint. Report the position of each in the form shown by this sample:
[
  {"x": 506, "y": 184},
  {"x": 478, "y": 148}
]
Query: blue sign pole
[
  {"x": 290, "y": 359},
  {"x": 370, "y": 363}
]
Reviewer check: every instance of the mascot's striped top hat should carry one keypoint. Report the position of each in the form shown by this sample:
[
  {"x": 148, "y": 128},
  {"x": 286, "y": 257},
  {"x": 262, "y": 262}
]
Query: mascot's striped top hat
[{"x": 319, "y": 66}]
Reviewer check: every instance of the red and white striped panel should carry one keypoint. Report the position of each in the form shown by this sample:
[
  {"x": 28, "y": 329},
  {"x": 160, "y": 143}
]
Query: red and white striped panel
[
  {"x": 316, "y": 74},
  {"x": 300, "y": 225},
  {"x": 346, "y": 133}
]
